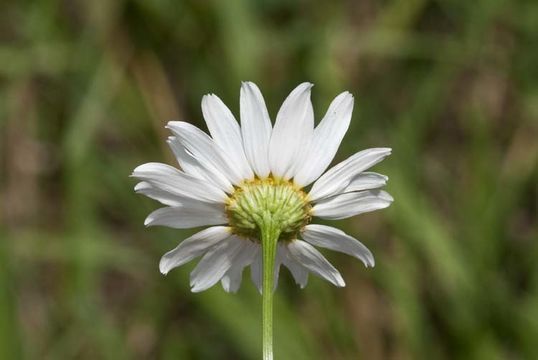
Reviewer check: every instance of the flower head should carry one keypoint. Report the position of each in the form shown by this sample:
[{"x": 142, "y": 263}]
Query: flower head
[{"x": 243, "y": 179}]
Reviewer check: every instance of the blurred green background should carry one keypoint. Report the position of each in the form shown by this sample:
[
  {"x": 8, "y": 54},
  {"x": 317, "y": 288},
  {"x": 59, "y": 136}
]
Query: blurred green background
[{"x": 86, "y": 88}]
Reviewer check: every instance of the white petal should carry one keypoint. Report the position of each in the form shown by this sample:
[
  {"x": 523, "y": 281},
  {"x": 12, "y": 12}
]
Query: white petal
[
  {"x": 310, "y": 258},
  {"x": 175, "y": 182},
  {"x": 186, "y": 161},
  {"x": 366, "y": 181},
  {"x": 191, "y": 166},
  {"x": 225, "y": 132},
  {"x": 231, "y": 281},
  {"x": 338, "y": 177},
  {"x": 351, "y": 204},
  {"x": 276, "y": 273},
  {"x": 188, "y": 216},
  {"x": 210, "y": 156},
  {"x": 193, "y": 246},
  {"x": 166, "y": 198},
  {"x": 292, "y": 131},
  {"x": 256, "y": 128},
  {"x": 214, "y": 264},
  {"x": 145, "y": 188},
  {"x": 299, "y": 272},
  {"x": 326, "y": 140},
  {"x": 256, "y": 270},
  {"x": 335, "y": 239}
]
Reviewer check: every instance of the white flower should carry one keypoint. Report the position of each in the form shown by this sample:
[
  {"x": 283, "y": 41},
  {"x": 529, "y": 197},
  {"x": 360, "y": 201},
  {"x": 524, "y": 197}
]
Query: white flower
[{"x": 240, "y": 175}]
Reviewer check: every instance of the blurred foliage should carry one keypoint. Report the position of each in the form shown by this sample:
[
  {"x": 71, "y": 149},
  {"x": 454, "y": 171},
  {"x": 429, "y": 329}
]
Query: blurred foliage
[{"x": 452, "y": 86}]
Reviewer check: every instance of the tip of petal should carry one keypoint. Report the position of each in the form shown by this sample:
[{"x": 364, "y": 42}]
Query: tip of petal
[
  {"x": 386, "y": 196},
  {"x": 338, "y": 280},
  {"x": 369, "y": 262},
  {"x": 306, "y": 85},
  {"x": 372, "y": 260},
  {"x": 137, "y": 169},
  {"x": 196, "y": 287},
  {"x": 163, "y": 267},
  {"x": 142, "y": 168},
  {"x": 249, "y": 86},
  {"x": 136, "y": 172},
  {"x": 171, "y": 125},
  {"x": 386, "y": 151},
  {"x": 207, "y": 97},
  {"x": 301, "y": 89},
  {"x": 345, "y": 94}
]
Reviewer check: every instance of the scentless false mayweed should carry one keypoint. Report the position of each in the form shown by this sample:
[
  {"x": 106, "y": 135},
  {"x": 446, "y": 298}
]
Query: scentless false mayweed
[{"x": 248, "y": 184}]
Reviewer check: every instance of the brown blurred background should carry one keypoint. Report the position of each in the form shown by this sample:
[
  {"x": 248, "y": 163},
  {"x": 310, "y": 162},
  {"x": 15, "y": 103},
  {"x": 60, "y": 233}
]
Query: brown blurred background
[{"x": 451, "y": 85}]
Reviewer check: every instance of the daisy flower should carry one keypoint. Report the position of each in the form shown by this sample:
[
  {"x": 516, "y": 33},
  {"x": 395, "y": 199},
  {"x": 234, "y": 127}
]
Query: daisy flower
[{"x": 249, "y": 182}]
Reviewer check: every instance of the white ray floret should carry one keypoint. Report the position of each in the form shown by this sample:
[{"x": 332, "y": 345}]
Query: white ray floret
[
  {"x": 292, "y": 132},
  {"x": 193, "y": 247},
  {"x": 226, "y": 133},
  {"x": 326, "y": 139},
  {"x": 256, "y": 128},
  {"x": 339, "y": 177}
]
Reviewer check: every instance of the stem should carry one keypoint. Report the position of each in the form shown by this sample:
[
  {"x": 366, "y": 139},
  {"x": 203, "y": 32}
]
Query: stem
[{"x": 269, "y": 237}]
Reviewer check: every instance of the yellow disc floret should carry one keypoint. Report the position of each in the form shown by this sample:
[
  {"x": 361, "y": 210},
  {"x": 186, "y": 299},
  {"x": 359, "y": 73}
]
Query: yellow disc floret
[{"x": 256, "y": 200}]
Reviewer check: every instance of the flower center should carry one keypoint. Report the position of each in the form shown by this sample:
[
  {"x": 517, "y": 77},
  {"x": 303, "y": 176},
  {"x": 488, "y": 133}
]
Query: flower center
[{"x": 252, "y": 203}]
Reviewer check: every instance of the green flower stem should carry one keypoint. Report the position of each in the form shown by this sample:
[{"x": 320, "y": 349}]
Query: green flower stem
[{"x": 269, "y": 236}]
